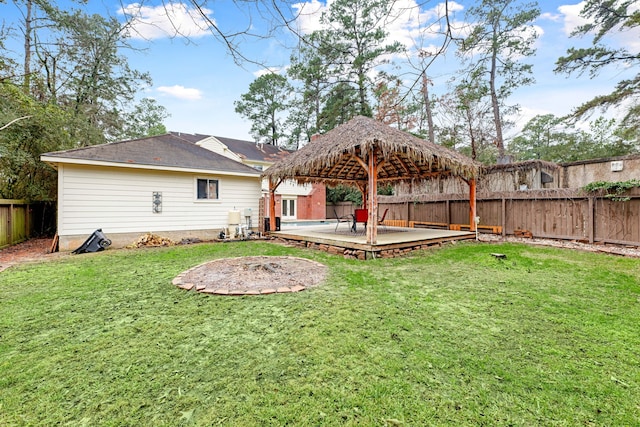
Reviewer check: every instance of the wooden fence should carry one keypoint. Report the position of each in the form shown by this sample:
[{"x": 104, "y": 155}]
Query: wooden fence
[
  {"x": 14, "y": 222},
  {"x": 555, "y": 214}
]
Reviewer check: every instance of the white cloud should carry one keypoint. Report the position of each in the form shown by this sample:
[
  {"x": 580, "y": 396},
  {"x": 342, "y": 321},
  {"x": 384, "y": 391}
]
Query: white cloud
[
  {"x": 627, "y": 38},
  {"x": 167, "y": 20},
  {"x": 308, "y": 15},
  {"x": 181, "y": 92},
  {"x": 408, "y": 23},
  {"x": 273, "y": 70},
  {"x": 571, "y": 16},
  {"x": 553, "y": 17}
]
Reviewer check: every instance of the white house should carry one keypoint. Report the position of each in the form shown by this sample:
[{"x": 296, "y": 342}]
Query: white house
[
  {"x": 165, "y": 184},
  {"x": 294, "y": 201}
]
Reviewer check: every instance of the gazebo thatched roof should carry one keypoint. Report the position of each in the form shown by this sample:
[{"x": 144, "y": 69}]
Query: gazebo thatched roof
[{"x": 339, "y": 157}]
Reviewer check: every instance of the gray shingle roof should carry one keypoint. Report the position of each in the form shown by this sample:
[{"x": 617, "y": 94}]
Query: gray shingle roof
[
  {"x": 252, "y": 151},
  {"x": 164, "y": 150},
  {"x": 246, "y": 149}
]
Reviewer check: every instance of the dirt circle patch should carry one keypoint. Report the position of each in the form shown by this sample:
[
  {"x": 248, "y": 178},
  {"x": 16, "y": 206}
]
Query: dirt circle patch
[{"x": 257, "y": 275}]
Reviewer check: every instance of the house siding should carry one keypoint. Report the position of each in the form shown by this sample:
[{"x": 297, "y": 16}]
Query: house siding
[
  {"x": 216, "y": 146},
  {"x": 119, "y": 201}
]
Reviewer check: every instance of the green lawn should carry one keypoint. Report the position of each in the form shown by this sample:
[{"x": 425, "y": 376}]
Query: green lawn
[{"x": 451, "y": 336}]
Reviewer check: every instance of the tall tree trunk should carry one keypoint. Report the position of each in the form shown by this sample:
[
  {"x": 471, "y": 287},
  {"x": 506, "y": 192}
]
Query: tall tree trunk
[
  {"x": 427, "y": 108},
  {"x": 27, "y": 49},
  {"x": 497, "y": 120},
  {"x": 362, "y": 95},
  {"x": 472, "y": 135}
]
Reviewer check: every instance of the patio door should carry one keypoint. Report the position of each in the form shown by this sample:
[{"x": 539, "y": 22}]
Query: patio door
[{"x": 289, "y": 208}]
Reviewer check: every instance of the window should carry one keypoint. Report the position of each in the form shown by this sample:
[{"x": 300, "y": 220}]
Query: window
[
  {"x": 207, "y": 189},
  {"x": 288, "y": 208}
]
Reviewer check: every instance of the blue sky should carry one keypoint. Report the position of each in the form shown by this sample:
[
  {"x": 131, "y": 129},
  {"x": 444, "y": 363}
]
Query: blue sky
[{"x": 197, "y": 80}]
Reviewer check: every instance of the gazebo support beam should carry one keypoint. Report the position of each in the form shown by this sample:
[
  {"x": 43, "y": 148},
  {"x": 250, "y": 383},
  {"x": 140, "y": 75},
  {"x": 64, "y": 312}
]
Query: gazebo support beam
[
  {"x": 372, "y": 222},
  {"x": 472, "y": 204},
  {"x": 272, "y": 203}
]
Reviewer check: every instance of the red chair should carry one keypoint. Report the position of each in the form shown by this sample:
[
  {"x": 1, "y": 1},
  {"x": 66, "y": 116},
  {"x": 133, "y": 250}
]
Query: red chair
[
  {"x": 360, "y": 215},
  {"x": 381, "y": 220}
]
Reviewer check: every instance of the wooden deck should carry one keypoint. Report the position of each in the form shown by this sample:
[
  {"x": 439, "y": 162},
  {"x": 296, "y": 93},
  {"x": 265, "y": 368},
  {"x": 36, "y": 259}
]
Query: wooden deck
[{"x": 392, "y": 241}]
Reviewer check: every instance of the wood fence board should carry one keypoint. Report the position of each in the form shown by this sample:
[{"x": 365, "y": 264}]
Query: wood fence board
[
  {"x": 618, "y": 221},
  {"x": 4, "y": 226},
  {"x": 567, "y": 214},
  {"x": 14, "y": 222}
]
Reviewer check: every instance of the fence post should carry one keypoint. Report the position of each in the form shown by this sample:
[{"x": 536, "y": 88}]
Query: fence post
[
  {"x": 408, "y": 213},
  {"x": 591, "y": 219},
  {"x": 10, "y": 224},
  {"x": 504, "y": 216}
]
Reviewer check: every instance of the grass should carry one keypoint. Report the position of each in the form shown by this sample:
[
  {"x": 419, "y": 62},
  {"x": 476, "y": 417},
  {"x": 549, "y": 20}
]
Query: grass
[{"x": 446, "y": 337}]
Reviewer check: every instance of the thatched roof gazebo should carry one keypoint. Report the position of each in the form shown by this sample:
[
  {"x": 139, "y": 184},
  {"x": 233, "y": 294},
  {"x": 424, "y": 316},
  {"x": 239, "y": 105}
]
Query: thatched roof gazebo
[{"x": 364, "y": 152}]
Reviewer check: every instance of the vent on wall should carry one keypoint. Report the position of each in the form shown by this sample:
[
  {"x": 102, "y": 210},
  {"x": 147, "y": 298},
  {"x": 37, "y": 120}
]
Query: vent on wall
[{"x": 617, "y": 166}]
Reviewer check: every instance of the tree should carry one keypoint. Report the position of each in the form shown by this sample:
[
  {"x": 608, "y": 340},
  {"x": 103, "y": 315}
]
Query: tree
[
  {"x": 146, "y": 119},
  {"x": 74, "y": 89},
  {"x": 75, "y": 60},
  {"x": 267, "y": 99},
  {"x": 308, "y": 67},
  {"x": 606, "y": 18},
  {"x": 86, "y": 72},
  {"x": 547, "y": 137},
  {"x": 355, "y": 44},
  {"x": 500, "y": 37},
  {"x": 463, "y": 124},
  {"x": 544, "y": 137},
  {"x": 340, "y": 106},
  {"x": 422, "y": 60},
  {"x": 42, "y": 128},
  {"x": 393, "y": 106}
]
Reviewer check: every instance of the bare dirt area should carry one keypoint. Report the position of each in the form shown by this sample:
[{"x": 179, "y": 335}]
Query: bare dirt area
[
  {"x": 257, "y": 275},
  {"x": 30, "y": 250},
  {"x": 630, "y": 251}
]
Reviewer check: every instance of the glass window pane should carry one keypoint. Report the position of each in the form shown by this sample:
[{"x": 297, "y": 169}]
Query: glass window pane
[
  {"x": 202, "y": 189},
  {"x": 213, "y": 189}
]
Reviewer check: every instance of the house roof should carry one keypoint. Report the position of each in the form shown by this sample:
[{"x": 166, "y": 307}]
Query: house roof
[
  {"x": 520, "y": 166},
  {"x": 164, "y": 151},
  {"x": 254, "y": 151},
  {"x": 257, "y": 152},
  {"x": 339, "y": 156}
]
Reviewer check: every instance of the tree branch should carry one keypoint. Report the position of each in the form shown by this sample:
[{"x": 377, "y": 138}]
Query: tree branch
[{"x": 13, "y": 121}]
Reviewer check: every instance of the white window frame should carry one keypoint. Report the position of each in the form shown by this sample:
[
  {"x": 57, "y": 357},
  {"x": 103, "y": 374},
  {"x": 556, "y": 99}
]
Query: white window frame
[
  {"x": 195, "y": 193},
  {"x": 295, "y": 204}
]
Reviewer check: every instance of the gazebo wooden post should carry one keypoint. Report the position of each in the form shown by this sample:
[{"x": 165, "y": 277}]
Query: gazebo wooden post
[
  {"x": 372, "y": 199},
  {"x": 472, "y": 204},
  {"x": 363, "y": 190},
  {"x": 272, "y": 204}
]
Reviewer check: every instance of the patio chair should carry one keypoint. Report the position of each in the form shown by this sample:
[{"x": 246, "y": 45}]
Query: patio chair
[
  {"x": 381, "y": 220},
  {"x": 340, "y": 219}
]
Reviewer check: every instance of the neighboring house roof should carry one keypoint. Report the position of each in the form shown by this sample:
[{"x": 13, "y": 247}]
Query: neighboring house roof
[
  {"x": 247, "y": 150},
  {"x": 254, "y": 151},
  {"x": 520, "y": 166},
  {"x": 157, "y": 152}
]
